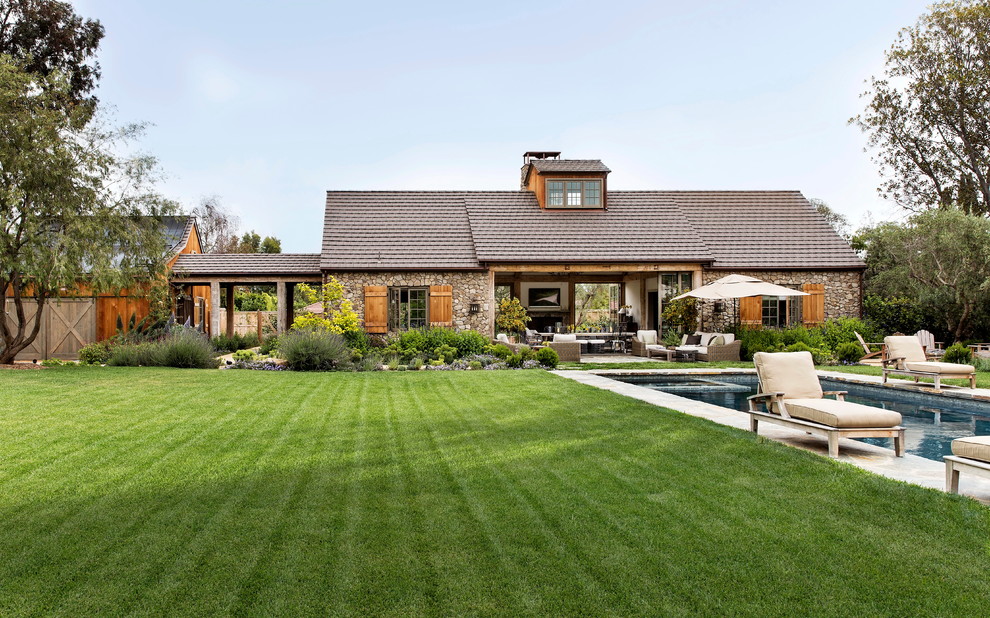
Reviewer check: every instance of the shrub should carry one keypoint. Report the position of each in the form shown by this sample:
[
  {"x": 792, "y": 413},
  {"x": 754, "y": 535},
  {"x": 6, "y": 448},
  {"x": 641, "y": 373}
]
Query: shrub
[
  {"x": 754, "y": 341},
  {"x": 958, "y": 353},
  {"x": 437, "y": 363},
  {"x": 186, "y": 349},
  {"x": 97, "y": 353},
  {"x": 371, "y": 362},
  {"x": 232, "y": 343},
  {"x": 514, "y": 361},
  {"x": 402, "y": 367},
  {"x": 843, "y": 330},
  {"x": 445, "y": 353},
  {"x": 502, "y": 351},
  {"x": 818, "y": 355},
  {"x": 849, "y": 353},
  {"x": 470, "y": 342},
  {"x": 475, "y": 364},
  {"x": 314, "y": 350},
  {"x": 548, "y": 357},
  {"x": 269, "y": 345},
  {"x": 244, "y": 355},
  {"x": 416, "y": 363},
  {"x": 358, "y": 340},
  {"x": 134, "y": 355}
]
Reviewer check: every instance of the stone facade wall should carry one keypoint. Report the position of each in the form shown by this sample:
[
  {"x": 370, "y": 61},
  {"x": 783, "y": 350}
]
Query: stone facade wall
[
  {"x": 467, "y": 287},
  {"x": 843, "y": 292}
]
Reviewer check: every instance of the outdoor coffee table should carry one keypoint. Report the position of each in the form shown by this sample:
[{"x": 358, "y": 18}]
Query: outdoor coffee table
[
  {"x": 687, "y": 356},
  {"x": 595, "y": 345}
]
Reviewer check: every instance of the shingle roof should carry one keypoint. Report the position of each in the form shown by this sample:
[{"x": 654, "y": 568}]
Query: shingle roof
[
  {"x": 764, "y": 229},
  {"x": 248, "y": 264},
  {"x": 387, "y": 230},
  {"x": 637, "y": 227},
  {"x": 569, "y": 165},
  {"x": 177, "y": 230},
  {"x": 397, "y": 230}
]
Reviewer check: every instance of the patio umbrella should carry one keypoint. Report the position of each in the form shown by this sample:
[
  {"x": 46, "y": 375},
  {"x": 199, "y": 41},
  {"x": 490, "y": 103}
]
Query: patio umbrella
[{"x": 739, "y": 286}]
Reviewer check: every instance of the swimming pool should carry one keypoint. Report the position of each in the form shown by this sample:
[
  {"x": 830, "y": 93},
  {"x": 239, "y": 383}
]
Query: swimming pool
[{"x": 931, "y": 422}]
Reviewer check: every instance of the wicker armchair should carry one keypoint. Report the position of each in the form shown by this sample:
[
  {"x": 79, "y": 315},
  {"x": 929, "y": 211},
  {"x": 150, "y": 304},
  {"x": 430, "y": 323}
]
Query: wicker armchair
[
  {"x": 641, "y": 340},
  {"x": 568, "y": 348},
  {"x": 726, "y": 352}
]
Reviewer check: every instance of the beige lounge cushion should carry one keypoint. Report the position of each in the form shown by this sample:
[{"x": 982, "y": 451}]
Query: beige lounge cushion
[
  {"x": 941, "y": 368},
  {"x": 729, "y": 338},
  {"x": 791, "y": 373},
  {"x": 841, "y": 413},
  {"x": 717, "y": 340},
  {"x": 564, "y": 337},
  {"x": 502, "y": 338},
  {"x": 905, "y": 346},
  {"x": 649, "y": 337},
  {"x": 976, "y": 447}
]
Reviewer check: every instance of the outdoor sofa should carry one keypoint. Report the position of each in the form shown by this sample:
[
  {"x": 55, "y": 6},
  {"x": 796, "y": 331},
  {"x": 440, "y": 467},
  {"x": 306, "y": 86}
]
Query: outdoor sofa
[
  {"x": 793, "y": 397},
  {"x": 904, "y": 355},
  {"x": 971, "y": 454},
  {"x": 712, "y": 347}
]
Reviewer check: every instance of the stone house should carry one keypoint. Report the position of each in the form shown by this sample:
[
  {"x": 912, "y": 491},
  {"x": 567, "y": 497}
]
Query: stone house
[{"x": 410, "y": 259}]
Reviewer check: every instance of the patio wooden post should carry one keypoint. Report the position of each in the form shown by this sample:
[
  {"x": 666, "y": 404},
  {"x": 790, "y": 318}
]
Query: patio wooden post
[
  {"x": 214, "y": 308},
  {"x": 283, "y": 307},
  {"x": 230, "y": 310}
]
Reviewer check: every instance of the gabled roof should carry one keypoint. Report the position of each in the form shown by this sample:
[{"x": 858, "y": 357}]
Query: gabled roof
[
  {"x": 397, "y": 230},
  {"x": 439, "y": 230},
  {"x": 569, "y": 165},
  {"x": 177, "y": 230}
]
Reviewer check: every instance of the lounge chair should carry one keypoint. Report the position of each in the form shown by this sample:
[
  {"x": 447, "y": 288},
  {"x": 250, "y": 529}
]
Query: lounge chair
[
  {"x": 933, "y": 349},
  {"x": 793, "y": 396},
  {"x": 970, "y": 454},
  {"x": 567, "y": 346},
  {"x": 870, "y": 357},
  {"x": 906, "y": 356},
  {"x": 646, "y": 343}
]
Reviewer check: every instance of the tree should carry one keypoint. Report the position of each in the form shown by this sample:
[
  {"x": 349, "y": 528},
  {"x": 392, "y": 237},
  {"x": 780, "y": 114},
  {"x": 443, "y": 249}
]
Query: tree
[
  {"x": 939, "y": 258},
  {"x": 48, "y": 37},
  {"x": 338, "y": 312},
  {"x": 836, "y": 219},
  {"x": 271, "y": 245},
  {"x": 72, "y": 211},
  {"x": 928, "y": 117},
  {"x": 217, "y": 226},
  {"x": 511, "y": 316}
]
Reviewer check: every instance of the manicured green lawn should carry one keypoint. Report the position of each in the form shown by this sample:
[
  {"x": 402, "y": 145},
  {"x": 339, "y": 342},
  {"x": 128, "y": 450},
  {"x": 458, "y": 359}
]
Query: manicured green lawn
[{"x": 198, "y": 492}]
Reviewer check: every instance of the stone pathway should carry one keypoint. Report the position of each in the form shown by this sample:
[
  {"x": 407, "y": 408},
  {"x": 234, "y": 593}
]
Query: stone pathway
[{"x": 910, "y": 468}]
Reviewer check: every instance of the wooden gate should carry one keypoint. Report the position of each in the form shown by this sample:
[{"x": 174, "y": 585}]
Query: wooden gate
[{"x": 66, "y": 326}]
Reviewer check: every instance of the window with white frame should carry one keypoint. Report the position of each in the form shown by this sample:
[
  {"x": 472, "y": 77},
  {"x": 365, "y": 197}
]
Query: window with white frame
[{"x": 574, "y": 193}]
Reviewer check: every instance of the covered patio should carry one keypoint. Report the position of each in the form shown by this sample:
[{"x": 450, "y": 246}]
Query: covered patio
[
  {"x": 550, "y": 292},
  {"x": 226, "y": 271}
]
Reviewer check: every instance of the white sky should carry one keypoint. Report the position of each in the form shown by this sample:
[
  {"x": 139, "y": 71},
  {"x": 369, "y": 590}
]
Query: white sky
[{"x": 268, "y": 105}]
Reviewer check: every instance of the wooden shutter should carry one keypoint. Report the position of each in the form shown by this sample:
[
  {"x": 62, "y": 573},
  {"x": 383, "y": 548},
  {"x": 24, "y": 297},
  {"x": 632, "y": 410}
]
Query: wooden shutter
[
  {"x": 376, "y": 308},
  {"x": 441, "y": 305},
  {"x": 751, "y": 311},
  {"x": 813, "y": 306}
]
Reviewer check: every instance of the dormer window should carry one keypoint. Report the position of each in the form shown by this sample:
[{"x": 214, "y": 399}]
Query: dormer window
[{"x": 574, "y": 193}]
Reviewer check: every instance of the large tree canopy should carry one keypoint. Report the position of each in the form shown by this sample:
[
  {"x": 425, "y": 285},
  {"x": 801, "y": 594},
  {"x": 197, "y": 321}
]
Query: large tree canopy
[
  {"x": 940, "y": 257},
  {"x": 47, "y": 36},
  {"x": 928, "y": 116},
  {"x": 73, "y": 212}
]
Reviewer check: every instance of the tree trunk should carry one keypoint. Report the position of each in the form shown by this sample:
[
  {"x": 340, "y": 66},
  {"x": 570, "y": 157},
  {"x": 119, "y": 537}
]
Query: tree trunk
[{"x": 14, "y": 343}]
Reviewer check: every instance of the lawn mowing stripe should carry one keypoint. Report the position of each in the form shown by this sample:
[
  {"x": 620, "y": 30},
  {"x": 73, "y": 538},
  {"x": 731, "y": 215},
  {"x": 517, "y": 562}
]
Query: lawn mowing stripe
[
  {"x": 345, "y": 568},
  {"x": 541, "y": 524},
  {"x": 125, "y": 528},
  {"x": 474, "y": 509},
  {"x": 217, "y": 430},
  {"x": 218, "y": 535},
  {"x": 250, "y": 589}
]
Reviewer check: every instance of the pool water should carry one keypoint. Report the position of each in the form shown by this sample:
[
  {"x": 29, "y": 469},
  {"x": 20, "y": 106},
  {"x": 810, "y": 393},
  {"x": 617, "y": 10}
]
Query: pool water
[{"x": 931, "y": 422}]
